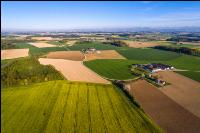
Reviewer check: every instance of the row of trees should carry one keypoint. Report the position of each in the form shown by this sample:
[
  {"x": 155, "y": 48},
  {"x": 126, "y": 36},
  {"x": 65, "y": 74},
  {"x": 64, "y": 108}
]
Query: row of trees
[
  {"x": 183, "y": 50},
  {"x": 26, "y": 71}
]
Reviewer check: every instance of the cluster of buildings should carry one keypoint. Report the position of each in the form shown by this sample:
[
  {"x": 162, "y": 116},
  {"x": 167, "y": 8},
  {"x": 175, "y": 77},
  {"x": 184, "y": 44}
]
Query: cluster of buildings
[
  {"x": 154, "y": 67},
  {"x": 89, "y": 50}
]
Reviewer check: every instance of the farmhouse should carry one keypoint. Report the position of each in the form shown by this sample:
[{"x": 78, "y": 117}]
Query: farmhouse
[
  {"x": 89, "y": 50},
  {"x": 154, "y": 67}
]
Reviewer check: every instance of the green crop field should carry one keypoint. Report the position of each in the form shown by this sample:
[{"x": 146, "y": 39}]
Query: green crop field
[
  {"x": 118, "y": 69},
  {"x": 62, "y": 106},
  {"x": 112, "y": 69},
  {"x": 148, "y": 54},
  {"x": 26, "y": 71},
  {"x": 96, "y": 45}
]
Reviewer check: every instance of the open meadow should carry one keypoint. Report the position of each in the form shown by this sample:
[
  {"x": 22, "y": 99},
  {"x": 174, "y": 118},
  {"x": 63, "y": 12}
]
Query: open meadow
[{"x": 61, "y": 106}]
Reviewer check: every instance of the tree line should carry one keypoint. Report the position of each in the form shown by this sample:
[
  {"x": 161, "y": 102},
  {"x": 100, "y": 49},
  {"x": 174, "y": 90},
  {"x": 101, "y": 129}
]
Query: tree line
[{"x": 183, "y": 50}]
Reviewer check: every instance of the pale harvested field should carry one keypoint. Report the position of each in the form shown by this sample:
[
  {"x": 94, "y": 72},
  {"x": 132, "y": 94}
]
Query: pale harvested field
[
  {"x": 71, "y": 43},
  {"x": 42, "y": 44},
  {"x": 14, "y": 53},
  {"x": 104, "y": 54},
  {"x": 172, "y": 117},
  {"x": 74, "y": 70},
  {"x": 182, "y": 90},
  {"x": 136, "y": 44},
  {"x": 42, "y": 38},
  {"x": 69, "y": 55}
]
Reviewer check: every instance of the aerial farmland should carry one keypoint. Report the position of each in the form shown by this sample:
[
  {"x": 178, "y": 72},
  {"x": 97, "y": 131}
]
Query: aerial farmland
[{"x": 59, "y": 79}]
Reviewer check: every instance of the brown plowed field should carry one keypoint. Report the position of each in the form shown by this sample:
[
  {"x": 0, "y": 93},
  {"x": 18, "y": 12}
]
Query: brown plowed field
[
  {"x": 104, "y": 54},
  {"x": 69, "y": 55},
  {"x": 14, "y": 53},
  {"x": 172, "y": 117},
  {"x": 74, "y": 70},
  {"x": 136, "y": 44},
  {"x": 182, "y": 90},
  {"x": 42, "y": 44}
]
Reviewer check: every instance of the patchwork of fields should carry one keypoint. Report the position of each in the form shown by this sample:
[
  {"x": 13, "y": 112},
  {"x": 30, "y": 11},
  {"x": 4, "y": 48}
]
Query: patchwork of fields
[
  {"x": 172, "y": 117},
  {"x": 61, "y": 106}
]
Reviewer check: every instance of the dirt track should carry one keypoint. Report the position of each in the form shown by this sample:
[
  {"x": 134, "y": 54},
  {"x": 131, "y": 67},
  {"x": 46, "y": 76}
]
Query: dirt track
[
  {"x": 74, "y": 70},
  {"x": 42, "y": 44},
  {"x": 182, "y": 90},
  {"x": 14, "y": 53},
  {"x": 104, "y": 54},
  {"x": 136, "y": 44},
  {"x": 172, "y": 117},
  {"x": 69, "y": 55}
]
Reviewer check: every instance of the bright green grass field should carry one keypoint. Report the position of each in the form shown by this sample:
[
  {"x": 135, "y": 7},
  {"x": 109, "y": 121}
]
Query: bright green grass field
[
  {"x": 68, "y": 107},
  {"x": 147, "y": 54},
  {"x": 118, "y": 69},
  {"x": 112, "y": 69},
  {"x": 96, "y": 45}
]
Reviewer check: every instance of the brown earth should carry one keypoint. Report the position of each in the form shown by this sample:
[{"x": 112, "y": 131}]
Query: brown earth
[
  {"x": 137, "y": 44},
  {"x": 42, "y": 44},
  {"x": 14, "y": 53},
  {"x": 182, "y": 90},
  {"x": 172, "y": 117},
  {"x": 103, "y": 54},
  {"x": 69, "y": 55},
  {"x": 74, "y": 70}
]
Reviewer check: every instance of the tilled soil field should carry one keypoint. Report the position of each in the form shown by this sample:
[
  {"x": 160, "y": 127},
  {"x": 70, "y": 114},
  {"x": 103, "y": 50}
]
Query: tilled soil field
[
  {"x": 14, "y": 53},
  {"x": 172, "y": 117},
  {"x": 182, "y": 90},
  {"x": 69, "y": 55},
  {"x": 74, "y": 70},
  {"x": 136, "y": 44},
  {"x": 104, "y": 54}
]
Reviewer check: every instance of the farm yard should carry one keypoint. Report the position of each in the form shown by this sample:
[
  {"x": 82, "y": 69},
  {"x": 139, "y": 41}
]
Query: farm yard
[
  {"x": 69, "y": 55},
  {"x": 103, "y": 54},
  {"x": 14, "y": 53},
  {"x": 169, "y": 115},
  {"x": 182, "y": 90},
  {"x": 62, "y": 106},
  {"x": 74, "y": 70}
]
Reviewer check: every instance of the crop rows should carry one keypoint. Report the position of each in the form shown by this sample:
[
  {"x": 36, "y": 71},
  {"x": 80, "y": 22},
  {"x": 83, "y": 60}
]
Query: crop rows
[{"x": 61, "y": 106}]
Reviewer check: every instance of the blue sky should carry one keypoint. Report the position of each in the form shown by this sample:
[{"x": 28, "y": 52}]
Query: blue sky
[{"x": 72, "y": 15}]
